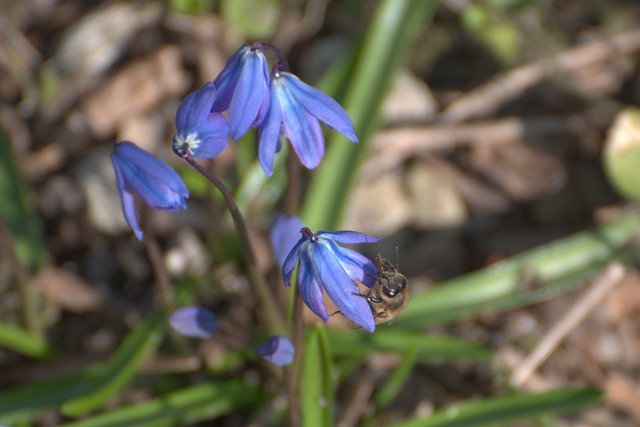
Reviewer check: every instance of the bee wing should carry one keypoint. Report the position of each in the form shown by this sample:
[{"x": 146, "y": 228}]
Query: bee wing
[{"x": 353, "y": 325}]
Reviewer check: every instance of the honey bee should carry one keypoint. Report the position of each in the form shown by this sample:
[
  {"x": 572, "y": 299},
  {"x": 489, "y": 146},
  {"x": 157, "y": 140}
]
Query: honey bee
[{"x": 389, "y": 295}]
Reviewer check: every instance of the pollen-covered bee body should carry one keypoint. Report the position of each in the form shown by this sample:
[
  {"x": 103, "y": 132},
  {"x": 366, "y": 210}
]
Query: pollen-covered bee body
[{"x": 390, "y": 293}]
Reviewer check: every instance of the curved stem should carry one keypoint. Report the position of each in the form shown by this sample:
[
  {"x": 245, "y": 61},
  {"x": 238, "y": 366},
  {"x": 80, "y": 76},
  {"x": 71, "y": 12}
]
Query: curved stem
[
  {"x": 281, "y": 63},
  {"x": 265, "y": 297}
]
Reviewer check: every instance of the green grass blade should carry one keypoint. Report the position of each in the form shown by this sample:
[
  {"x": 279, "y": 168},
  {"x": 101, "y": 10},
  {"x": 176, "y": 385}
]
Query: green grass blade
[
  {"x": 28, "y": 401},
  {"x": 23, "y": 342},
  {"x": 542, "y": 270},
  {"x": 391, "y": 339},
  {"x": 384, "y": 47},
  {"x": 258, "y": 194},
  {"x": 122, "y": 367},
  {"x": 183, "y": 407},
  {"x": 18, "y": 210},
  {"x": 398, "y": 378},
  {"x": 502, "y": 410},
  {"x": 317, "y": 387}
]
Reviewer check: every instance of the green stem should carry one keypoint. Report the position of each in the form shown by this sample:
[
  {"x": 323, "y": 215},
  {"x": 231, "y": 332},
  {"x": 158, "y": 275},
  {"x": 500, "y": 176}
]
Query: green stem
[
  {"x": 294, "y": 379},
  {"x": 159, "y": 271},
  {"x": 265, "y": 297},
  {"x": 28, "y": 301}
]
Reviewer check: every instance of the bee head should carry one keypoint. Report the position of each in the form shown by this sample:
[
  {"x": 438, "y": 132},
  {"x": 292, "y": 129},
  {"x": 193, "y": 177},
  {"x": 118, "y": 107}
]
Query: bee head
[{"x": 395, "y": 286}]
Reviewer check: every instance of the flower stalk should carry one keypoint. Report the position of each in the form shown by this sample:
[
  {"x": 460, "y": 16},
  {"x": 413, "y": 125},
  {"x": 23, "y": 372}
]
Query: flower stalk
[
  {"x": 265, "y": 297},
  {"x": 154, "y": 253}
]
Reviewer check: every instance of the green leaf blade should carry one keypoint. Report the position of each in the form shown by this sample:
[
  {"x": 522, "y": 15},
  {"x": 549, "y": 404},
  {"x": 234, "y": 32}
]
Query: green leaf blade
[
  {"x": 317, "y": 398},
  {"x": 501, "y": 410},
  {"x": 122, "y": 367}
]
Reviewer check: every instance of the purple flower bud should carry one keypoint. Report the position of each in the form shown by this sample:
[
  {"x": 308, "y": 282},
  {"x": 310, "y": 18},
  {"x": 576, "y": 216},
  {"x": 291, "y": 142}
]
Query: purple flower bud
[
  {"x": 205, "y": 134},
  {"x": 138, "y": 172},
  {"x": 284, "y": 236},
  {"x": 278, "y": 350},
  {"x": 193, "y": 322},
  {"x": 324, "y": 265}
]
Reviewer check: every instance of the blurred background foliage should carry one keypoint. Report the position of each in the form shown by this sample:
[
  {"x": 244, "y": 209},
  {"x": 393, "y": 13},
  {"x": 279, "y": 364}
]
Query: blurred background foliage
[{"x": 498, "y": 152}]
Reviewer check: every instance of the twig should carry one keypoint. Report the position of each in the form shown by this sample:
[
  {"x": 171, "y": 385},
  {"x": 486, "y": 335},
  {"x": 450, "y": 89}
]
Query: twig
[
  {"x": 488, "y": 98},
  {"x": 394, "y": 146},
  {"x": 357, "y": 403},
  {"x": 601, "y": 287}
]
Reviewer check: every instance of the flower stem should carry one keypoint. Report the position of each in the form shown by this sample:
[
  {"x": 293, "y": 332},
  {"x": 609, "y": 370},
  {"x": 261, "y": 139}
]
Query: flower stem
[
  {"x": 294, "y": 189},
  {"x": 281, "y": 63},
  {"x": 154, "y": 253},
  {"x": 294, "y": 379},
  {"x": 265, "y": 297},
  {"x": 28, "y": 297}
]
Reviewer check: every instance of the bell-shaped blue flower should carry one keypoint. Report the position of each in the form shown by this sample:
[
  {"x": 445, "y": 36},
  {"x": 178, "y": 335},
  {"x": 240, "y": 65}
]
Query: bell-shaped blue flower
[
  {"x": 284, "y": 236},
  {"x": 294, "y": 112},
  {"x": 138, "y": 172},
  {"x": 278, "y": 350},
  {"x": 243, "y": 89},
  {"x": 205, "y": 134},
  {"x": 326, "y": 265},
  {"x": 193, "y": 322}
]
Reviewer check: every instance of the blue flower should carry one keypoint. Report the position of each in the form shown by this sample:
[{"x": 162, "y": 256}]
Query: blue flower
[
  {"x": 326, "y": 265},
  {"x": 243, "y": 88},
  {"x": 278, "y": 350},
  {"x": 153, "y": 180},
  {"x": 284, "y": 236},
  {"x": 193, "y": 322},
  {"x": 205, "y": 133},
  {"x": 294, "y": 112}
]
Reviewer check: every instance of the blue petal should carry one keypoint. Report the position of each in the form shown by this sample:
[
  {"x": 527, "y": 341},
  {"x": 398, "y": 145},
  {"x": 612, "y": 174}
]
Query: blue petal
[
  {"x": 284, "y": 236},
  {"x": 292, "y": 259},
  {"x": 194, "y": 109},
  {"x": 154, "y": 181},
  {"x": 193, "y": 322},
  {"x": 153, "y": 191},
  {"x": 266, "y": 99},
  {"x": 214, "y": 136},
  {"x": 357, "y": 266},
  {"x": 341, "y": 290},
  {"x": 301, "y": 127},
  {"x": 348, "y": 237},
  {"x": 270, "y": 136},
  {"x": 127, "y": 200},
  {"x": 249, "y": 94},
  {"x": 243, "y": 88},
  {"x": 278, "y": 350},
  {"x": 205, "y": 133},
  {"x": 310, "y": 287},
  {"x": 321, "y": 106},
  {"x": 228, "y": 78}
]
